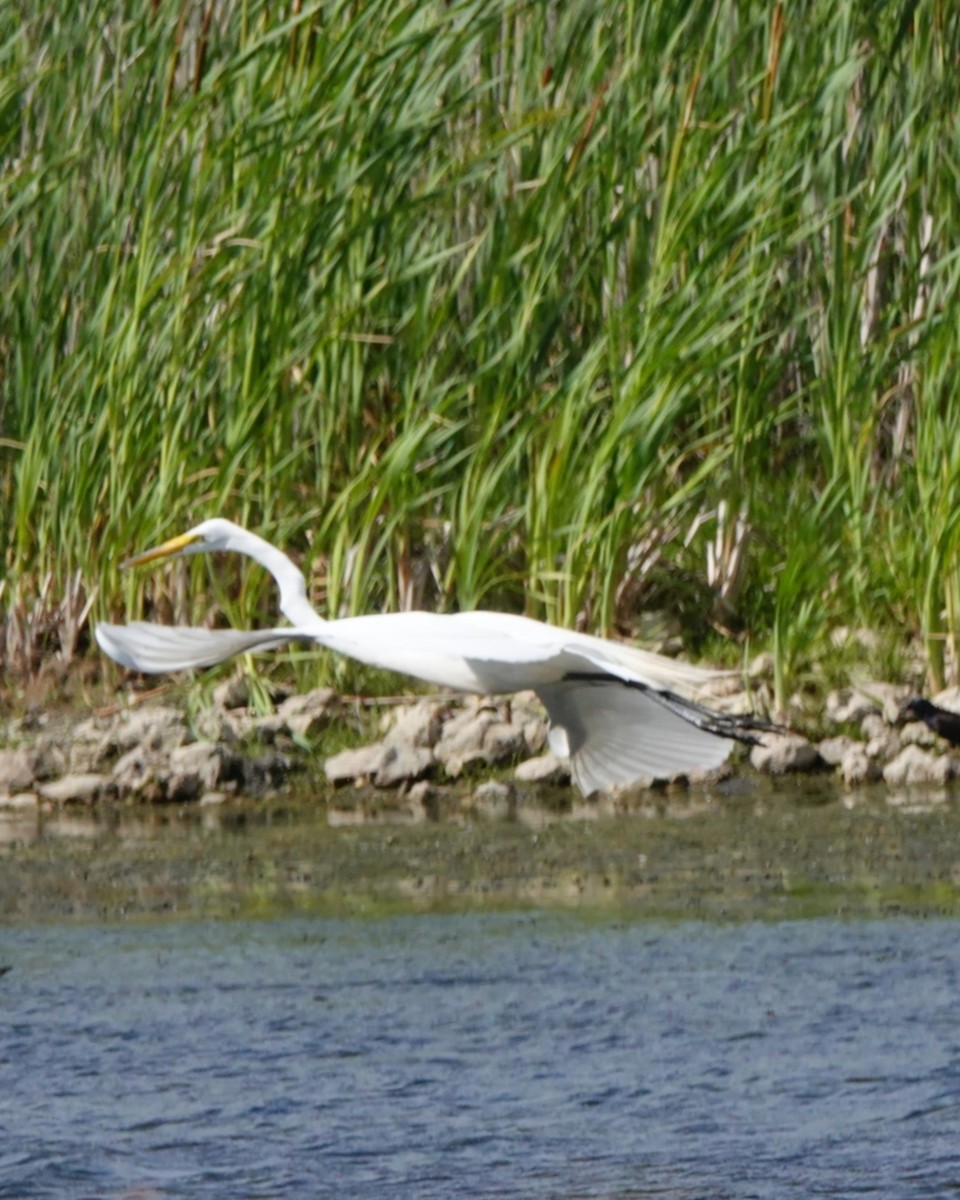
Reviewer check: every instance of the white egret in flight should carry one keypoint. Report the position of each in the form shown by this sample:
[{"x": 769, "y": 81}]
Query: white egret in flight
[{"x": 617, "y": 712}]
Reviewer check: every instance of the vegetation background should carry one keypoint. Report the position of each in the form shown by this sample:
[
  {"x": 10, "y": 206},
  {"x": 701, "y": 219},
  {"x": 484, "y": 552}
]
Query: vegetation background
[{"x": 592, "y": 309}]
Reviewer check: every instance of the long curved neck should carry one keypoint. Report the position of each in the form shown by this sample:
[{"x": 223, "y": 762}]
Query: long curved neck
[{"x": 289, "y": 579}]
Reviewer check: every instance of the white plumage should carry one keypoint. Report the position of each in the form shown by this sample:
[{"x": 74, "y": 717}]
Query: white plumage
[{"x": 620, "y": 713}]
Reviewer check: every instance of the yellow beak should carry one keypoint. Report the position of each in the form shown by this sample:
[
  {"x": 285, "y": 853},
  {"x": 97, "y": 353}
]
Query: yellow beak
[{"x": 174, "y": 546}]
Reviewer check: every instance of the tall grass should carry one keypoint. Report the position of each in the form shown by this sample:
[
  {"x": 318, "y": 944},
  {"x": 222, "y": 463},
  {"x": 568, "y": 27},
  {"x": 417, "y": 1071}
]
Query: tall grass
[{"x": 583, "y": 309}]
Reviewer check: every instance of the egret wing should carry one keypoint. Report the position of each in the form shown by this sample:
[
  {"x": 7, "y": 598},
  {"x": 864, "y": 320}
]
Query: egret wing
[
  {"x": 154, "y": 649},
  {"x": 491, "y": 636},
  {"x": 617, "y": 733}
]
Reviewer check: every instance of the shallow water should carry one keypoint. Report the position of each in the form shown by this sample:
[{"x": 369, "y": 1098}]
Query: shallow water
[
  {"x": 484, "y": 1008},
  {"x": 755, "y": 848},
  {"x": 480, "y": 1055}
]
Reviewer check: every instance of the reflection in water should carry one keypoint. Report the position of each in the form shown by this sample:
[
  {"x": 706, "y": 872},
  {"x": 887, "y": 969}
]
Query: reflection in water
[
  {"x": 747, "y": 848},
  {"x": 25, "y": 819},
  {"x": 19, "y": 823},
  {"x": 32, "y": 823}
]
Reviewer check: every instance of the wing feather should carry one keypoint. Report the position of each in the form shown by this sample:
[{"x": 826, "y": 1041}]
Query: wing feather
[
  {"x": 617, "y": 733},
  {"x": 613, "y": 711},
  {"x": 154, "y": 649}
]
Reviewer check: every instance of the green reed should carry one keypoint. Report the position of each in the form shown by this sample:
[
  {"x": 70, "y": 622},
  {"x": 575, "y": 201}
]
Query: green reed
[{"x": 581, "y": 309}]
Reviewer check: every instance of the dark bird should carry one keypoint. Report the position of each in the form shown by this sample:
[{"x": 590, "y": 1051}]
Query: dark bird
[{"x": 942, "y": 721}]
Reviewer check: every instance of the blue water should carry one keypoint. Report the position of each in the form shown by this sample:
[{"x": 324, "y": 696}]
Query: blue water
[{"x": 480, "y": 1056}]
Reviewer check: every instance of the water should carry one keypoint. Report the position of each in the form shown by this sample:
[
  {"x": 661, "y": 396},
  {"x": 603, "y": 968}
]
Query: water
[
  {"x": 760, "y": 849},
  {"x": 480, "y": 1055}
]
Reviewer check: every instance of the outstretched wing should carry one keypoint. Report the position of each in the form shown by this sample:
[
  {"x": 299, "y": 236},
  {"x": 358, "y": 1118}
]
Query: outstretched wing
[
  {"x": 617, "y": 717},
  {"x": 143, "y": 646},
  {"x": 618, "y": 732}
]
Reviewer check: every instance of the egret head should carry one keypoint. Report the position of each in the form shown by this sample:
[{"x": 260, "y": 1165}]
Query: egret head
[
  {"x": 215, "y": 534},
  {"x": 219, "y": 534}
]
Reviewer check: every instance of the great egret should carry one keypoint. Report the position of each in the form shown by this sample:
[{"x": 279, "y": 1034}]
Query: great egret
[{"x": 613, "y": 709}]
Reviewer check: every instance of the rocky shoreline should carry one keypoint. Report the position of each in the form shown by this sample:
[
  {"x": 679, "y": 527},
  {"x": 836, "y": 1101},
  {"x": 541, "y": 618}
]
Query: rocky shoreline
[{"x": 427, "y": 750}]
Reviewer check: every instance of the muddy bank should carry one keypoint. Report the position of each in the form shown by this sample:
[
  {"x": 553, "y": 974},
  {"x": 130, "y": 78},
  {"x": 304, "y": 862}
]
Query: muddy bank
[
  {"x": 452, "y": 802},
  {"x": 744, "y": 849}
]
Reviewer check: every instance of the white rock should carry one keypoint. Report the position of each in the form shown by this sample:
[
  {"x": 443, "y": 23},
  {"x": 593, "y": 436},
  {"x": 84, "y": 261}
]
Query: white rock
[
  {"x": 916, "y": 733},
  {"x": 403, "y": 764},
  {"x": 780, "y": 753},
  {"x": 534, "y": 731},
  {"x": 80, "y": 789},
  {"x": 18, "y": 769},
  {"x": 883, "y": 747},
  {"x": 833, "y": 750},
  {"x": 423, "y": 801},
  {"x": 874, "y": 726},
  {"x": 462, "y": 739},
  {"x": 51, "y": 761},
  {"x": 351, "y": 765},
  {"x": 210, "y": 763},
  {"x": 856, "y": 767},
  {"x": 853, "y": 704},
  {"x": 737, "y": 702},
  {"x": 19, "y": 801},
  {"x": 948, "y": 698},
  {"x": 87, "y": 757},
  {"x": 264, "y": 729},
  {"x": 722, "y": 691},
  {"x": 527, "y": 704},
  {"x": 181, "y": 787},
  {"x": 309, "y": 714},
  {"x": 913, "y": 765},
  {"x": 90, "y": 730},
  {"x": 216, "y": 725},
  {"x": 892, "y": 697},
  {"x": 138, "y": 773},
  {"x": 157, "y": 728},
  {"x": 546, "y": 768},
  {"x": 501, "y": 741},
  {"x": 848, "y": 706},
  {"x": 529, "y": 716},
  {"x": 417, "y": 725}
]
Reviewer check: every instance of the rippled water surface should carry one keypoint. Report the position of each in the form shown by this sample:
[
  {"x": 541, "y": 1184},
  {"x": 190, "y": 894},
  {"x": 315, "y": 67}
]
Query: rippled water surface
[{"x": 480, "y": 1055}]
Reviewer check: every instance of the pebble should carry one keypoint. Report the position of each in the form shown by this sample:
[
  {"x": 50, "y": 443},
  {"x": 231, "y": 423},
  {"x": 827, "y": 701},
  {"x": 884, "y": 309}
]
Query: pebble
[
  {"x": 915, "y": 765},
  {"x": 780, "y": 753},
  {"x": 150, "y": 754}
]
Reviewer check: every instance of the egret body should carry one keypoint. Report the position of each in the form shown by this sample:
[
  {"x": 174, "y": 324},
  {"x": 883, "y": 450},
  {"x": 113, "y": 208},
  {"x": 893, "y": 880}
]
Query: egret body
[{"x": 619, "y": 713}]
